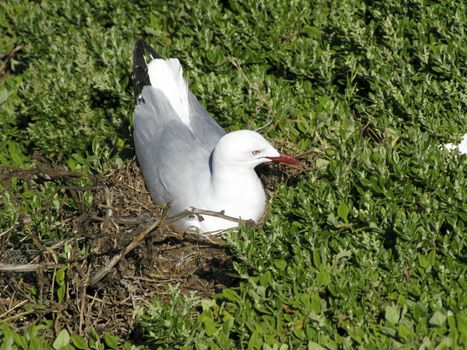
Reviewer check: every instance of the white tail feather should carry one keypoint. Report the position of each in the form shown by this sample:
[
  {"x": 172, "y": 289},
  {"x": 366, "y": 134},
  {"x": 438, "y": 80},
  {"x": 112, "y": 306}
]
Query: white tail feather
[{"x": 167, "y": 76}]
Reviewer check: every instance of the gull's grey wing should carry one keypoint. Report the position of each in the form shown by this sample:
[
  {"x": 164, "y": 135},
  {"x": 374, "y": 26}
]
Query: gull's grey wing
[
  {"x": 174, "y": 163},
  {"x": 204, "y": 127}
]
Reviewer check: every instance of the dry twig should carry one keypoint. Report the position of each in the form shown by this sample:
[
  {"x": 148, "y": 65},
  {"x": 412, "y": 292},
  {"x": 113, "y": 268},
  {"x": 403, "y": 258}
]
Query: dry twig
[
  {"x": 28, "y": 267},
  {"x": 13, "y": 308}
]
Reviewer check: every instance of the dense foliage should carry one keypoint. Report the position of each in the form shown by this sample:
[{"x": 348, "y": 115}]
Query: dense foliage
[{"x": 367, "y": 249}]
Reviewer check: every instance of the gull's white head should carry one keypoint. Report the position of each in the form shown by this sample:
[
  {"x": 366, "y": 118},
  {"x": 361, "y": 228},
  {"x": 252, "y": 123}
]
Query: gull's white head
[{"x": 247, "y": 149}]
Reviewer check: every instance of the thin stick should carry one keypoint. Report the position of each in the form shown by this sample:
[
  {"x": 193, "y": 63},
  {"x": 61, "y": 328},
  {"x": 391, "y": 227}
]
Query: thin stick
[
  {"x": 124, "y": 220},
  {"x": 108, "y": 202},
  {"x": 83, "y": 188},
  {"x": 9, "y": 229},
  {"x": 134, "y": 220},
  {"x": 19, "y": 315},
  {"x": 28, "y": 267},
  {"x": 83, "y": 302},
  {"x": 13, "y": 308},
  {"x": 194, "y": 211}
]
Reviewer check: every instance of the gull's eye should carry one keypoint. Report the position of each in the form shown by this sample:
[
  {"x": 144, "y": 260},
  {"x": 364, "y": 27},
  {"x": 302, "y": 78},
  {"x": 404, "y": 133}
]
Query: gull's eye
[{"x": 255, "y": 152}]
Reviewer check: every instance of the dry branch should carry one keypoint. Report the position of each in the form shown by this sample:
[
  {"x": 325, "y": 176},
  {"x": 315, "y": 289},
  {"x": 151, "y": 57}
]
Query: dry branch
[{"x": 28, "y": 267}]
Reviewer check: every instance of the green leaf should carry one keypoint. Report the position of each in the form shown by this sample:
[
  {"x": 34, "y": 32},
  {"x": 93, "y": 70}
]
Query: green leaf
[
  {"x": 392, "y": 314},
  {"x": 314, "y": 346},
  {"x": 343, "y": 211},
  {"x": 207, "y": 304},
  {"x": 461, "y": 321},
  {"x": 228, "y": 323},
  {"x": 316, "y": 258},
  {"x": 231, "y": 295},
  {"x": 61, "y": 293},
  {"x": 315, "y": 304},
  {"x": 256, "y": 341},
  {"x": 438, "y": 319},
  {"x": 60, "y": 275},
  {"x": 4, "y": 94},
  {"x": 62, "y": 340},
  {"x": 405, "y": 332},
  {"x": 280, "y": 264},
  {"x": 110, "y": 340},
  {"x": 322, "y": 165},
  {"x": 323, "y": 278},
  {"x": 312, "y": 32},
  {"x": 266, "y": 279},
  {"x": 209, "y": 326},
  {"x": 79, "y": 342}
]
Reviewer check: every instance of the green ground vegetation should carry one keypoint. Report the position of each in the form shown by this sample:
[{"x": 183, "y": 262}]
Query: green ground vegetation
[{"x": 367, "y": 250}]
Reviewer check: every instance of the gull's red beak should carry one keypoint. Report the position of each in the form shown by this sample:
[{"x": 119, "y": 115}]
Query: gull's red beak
[{"x": 284, "y": 158}]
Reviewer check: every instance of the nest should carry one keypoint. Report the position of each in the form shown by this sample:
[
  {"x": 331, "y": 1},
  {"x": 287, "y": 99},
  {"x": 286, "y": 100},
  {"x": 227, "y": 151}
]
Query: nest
[{"x": 120, "y": 253}]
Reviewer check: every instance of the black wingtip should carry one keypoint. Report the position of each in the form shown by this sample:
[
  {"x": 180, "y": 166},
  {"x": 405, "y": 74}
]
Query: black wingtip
[{"x": 140, "y": 67}]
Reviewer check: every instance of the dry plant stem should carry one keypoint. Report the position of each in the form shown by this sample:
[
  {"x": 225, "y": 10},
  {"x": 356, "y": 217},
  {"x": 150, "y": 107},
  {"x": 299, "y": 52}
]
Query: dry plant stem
[
  {"x": 9, "y": 229},
  {"x": 18, "y": 315},
  {"x": 35, "y": 239},
  {"x": 83, "y": 188},
  {"x": 83, "y": 302},
  {"x": 195, "y": 211},
  {"x": 108, "y": 202},
  {"x": 124, "y": 220},
  {"x": 13, "y": 308},
  {"x": 28, "y": 267},
  {"x": 133, "y": 220}
]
